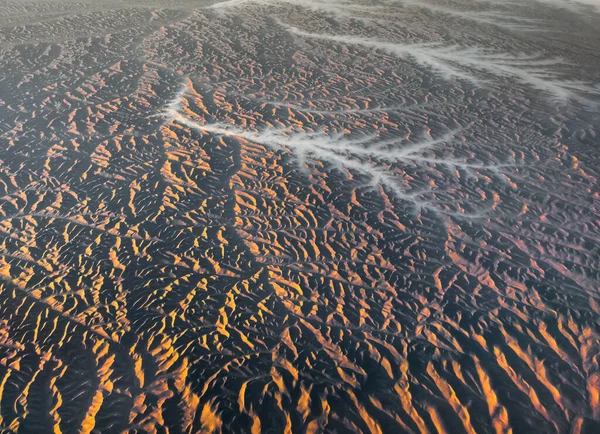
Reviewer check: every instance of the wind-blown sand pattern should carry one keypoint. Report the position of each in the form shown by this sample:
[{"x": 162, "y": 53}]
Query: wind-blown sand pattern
[{"x": 299, "y": 216}]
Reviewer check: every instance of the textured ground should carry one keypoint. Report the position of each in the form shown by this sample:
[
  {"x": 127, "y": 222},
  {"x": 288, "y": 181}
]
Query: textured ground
[{"x": 299, "y": 216}]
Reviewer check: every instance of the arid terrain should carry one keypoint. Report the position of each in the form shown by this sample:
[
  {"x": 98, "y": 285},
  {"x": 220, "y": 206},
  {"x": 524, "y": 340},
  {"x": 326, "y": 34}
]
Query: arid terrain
[{"x": 300, "y": 216}]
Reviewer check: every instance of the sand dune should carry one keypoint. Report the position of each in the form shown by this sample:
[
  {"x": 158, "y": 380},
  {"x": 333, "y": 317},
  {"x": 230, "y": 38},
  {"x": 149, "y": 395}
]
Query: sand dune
[{"x": 299, "y": 216}]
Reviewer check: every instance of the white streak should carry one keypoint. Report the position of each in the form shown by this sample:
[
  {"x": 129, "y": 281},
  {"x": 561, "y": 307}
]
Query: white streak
[
  {"x": 457, "y": 62},
  {"x": 379, "y": 162}
]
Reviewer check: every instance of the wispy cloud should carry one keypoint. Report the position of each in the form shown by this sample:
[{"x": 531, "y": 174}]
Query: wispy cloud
[
  {"x": 491, "y": 16},
  {"x": 572, "y": 5},
  {"x": 578, "y": 6},
  {"x": 338, "y": 8},
  {"x": 499, "y": 13},
  {"x": 366, "y": 11}
]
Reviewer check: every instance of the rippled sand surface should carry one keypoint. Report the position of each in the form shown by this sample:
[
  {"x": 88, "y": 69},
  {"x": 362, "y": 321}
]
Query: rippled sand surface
[{"x": 300, "y": 216}]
